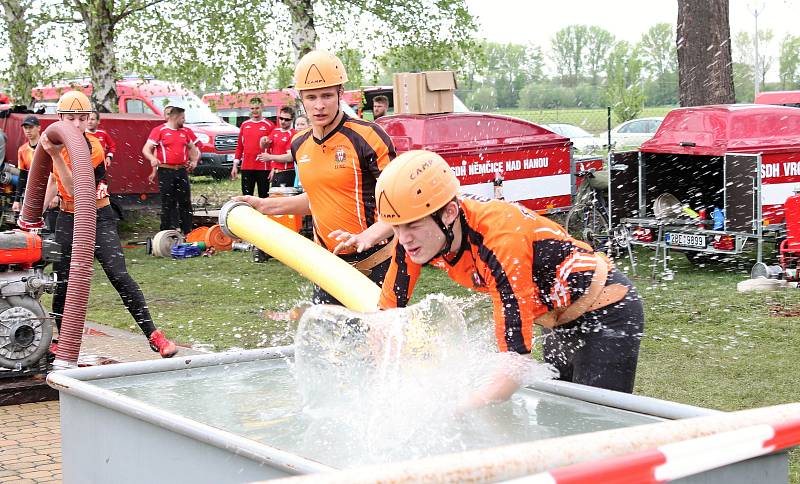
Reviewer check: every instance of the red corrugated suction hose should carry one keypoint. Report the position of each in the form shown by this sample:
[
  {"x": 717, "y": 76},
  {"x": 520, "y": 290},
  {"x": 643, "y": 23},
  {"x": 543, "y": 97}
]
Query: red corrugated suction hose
[{"x": 83, "y": 236}]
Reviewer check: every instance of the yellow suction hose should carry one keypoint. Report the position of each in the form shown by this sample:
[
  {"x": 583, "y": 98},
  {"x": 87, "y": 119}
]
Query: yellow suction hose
[{"x": 337, "y": 277}]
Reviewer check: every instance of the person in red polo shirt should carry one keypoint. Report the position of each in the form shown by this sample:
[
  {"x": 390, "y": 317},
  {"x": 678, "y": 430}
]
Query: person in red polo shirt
[
  {"x": 280, "y": 143},
  {"x": 109, "y": 146},
  {"x": 255, "y": 172},
  {"x": 171, "y": 148}
]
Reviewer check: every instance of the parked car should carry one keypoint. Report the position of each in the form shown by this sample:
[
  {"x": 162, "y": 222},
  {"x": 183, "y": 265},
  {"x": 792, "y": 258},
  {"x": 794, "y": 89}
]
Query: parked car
[
  {"x": 633, "y": 133},
  {"x": 582, "y": 140}
]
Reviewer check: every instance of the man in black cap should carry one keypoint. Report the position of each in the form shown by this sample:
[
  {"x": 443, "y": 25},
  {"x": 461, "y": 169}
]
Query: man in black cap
[{"x": 32, "y": 130}]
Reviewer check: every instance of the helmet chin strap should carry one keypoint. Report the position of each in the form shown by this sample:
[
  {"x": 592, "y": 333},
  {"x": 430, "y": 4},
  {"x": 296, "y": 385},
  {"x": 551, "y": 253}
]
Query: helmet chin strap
[
  {"x": 448, "y": 236},
  {"x": 338, "y": 108}
]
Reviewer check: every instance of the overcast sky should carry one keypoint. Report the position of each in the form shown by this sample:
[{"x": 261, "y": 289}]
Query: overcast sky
[{"x": 523, "y": 21}]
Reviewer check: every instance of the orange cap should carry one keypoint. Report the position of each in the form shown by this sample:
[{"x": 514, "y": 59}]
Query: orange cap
[
  {"x": 74, "y": 102},
  {"x": 414, "y": 185},
  {"x": 318, "y": 69}
]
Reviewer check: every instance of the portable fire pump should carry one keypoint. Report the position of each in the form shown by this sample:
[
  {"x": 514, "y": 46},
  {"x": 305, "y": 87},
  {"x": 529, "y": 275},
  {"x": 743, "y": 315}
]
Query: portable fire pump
[
  {"x": 9, "y": 177},
  {"x": 26, "y": 331}
]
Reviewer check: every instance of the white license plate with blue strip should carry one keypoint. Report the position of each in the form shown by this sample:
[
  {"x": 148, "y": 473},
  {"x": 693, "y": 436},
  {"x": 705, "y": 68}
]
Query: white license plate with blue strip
[{"x": 686, "y": 240}]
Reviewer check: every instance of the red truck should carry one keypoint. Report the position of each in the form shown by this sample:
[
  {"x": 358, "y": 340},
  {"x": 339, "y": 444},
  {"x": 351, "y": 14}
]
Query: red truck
[{"x": 144, "y": 95}]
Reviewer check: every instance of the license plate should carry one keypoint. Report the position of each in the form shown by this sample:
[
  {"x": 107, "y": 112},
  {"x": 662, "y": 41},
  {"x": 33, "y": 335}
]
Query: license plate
[
  {"x": 229, "y": 156},
  {"x": 686, "y": 240}
]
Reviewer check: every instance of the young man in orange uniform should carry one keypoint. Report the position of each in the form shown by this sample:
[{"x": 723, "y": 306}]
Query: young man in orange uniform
[
  {"x": 338, "y": 160},
  {"x": 74, "y": 108},
  {"x": 255, "y": 171},
  {"x": 533, "y": 270},
  {"x": 109, "y": 146},
  {"x": 32, "y": 130}
]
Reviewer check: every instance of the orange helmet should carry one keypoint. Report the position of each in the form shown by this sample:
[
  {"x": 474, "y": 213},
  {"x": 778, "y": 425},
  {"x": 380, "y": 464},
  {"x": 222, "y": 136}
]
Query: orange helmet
[
  {"x": 414, "y": 185},
  {"x": 318, "y": 69},
  {"x": 74, "y": 102}
]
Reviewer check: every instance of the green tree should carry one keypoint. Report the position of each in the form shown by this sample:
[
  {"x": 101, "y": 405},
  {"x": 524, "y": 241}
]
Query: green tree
[
  {"x": 466, "y": 59},
  {"x": 546, "y": 95},
  {"x": 482, "y": 99},
  {"x": 26, "y": 27},
  {"x": 352, "y": 59},
  {"x": 657, "y": 49},
  {"x": 743, "y": 82},
  {"x": 743, "y": 51},
  {"x": 509, "y": 68},
  {"x": 568, "y": 47},
  {"x": 789, "y": 62},
  {"x": 598, "y": 43},
  {"x": 660, "y": 62},
  {"x": 623, "y": 82},
  {"x": 19, "y": 29},
  {"x": 243, "y": 42},
  {"x": 101, "y": 20}
]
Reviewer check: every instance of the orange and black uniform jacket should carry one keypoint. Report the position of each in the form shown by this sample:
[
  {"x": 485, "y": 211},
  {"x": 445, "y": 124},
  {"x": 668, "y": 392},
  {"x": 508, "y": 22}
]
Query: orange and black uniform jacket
[
  {"x": 339, "y": 173},
  {"x": 24, "y": 161},
  {"x": 528, "y": 264},
  {"x": 98, "y": 159}
]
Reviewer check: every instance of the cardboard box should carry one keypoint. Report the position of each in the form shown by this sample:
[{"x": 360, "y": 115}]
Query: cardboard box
[{"x": 428, "y": 92}]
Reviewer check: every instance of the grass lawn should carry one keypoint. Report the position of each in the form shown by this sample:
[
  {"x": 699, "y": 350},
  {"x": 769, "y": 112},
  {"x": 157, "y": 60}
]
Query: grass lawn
[
  {"x": 705, "y": 344},
  {"x": 592, "y": 120}
]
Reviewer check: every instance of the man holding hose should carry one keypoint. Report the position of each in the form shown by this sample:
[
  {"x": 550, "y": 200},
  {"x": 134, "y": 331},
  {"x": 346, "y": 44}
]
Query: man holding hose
[
  {"x": 533, "y": 270},
  {"x": 74, "y": 108},
  {"x": 338, "y": 161}
]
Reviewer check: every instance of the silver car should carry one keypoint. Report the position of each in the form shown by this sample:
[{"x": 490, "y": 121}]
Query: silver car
[
  {"x": 633, "y": 133},
  {"x": 582, "y": 140}
]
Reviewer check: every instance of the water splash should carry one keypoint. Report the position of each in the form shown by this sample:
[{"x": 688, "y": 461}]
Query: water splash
[{"x": 393, "y": 381}]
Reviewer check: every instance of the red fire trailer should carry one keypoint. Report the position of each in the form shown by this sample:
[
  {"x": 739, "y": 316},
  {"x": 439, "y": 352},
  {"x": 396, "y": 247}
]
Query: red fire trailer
[
  {"x": 127, "y": 176},
  {"x": 729, "y": 169},
  {"x": 494, "y": 155}
]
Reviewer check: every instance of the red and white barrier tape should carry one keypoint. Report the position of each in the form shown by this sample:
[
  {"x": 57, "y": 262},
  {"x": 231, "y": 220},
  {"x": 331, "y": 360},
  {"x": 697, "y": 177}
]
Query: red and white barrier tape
[{"x": 681, "y": 459}]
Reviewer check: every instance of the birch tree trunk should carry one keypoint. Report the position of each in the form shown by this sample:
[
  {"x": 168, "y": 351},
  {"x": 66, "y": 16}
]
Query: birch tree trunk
[
  {"x": 100, "y": 23},
  {"x": 705, "y": 66},
  {"x": 19, "y": 33},
  {"x": 304, "y": 35}
]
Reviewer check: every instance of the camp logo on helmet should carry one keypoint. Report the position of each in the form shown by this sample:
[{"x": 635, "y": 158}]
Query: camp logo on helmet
[
  {"x": 75, "y": 105},
  {"x": 420, "y": 169},
  {"x": 385, "y": 208},
  {"x": 314, "y": 76}
]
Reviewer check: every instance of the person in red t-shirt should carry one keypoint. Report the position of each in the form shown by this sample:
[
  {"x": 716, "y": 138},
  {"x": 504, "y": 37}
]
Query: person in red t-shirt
[
  {"x": 109, "y": 146},
  {"x": 170, "y": 148},
  {"x": 280, "y": 144},
  {"x": 254, "y": 171}
]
